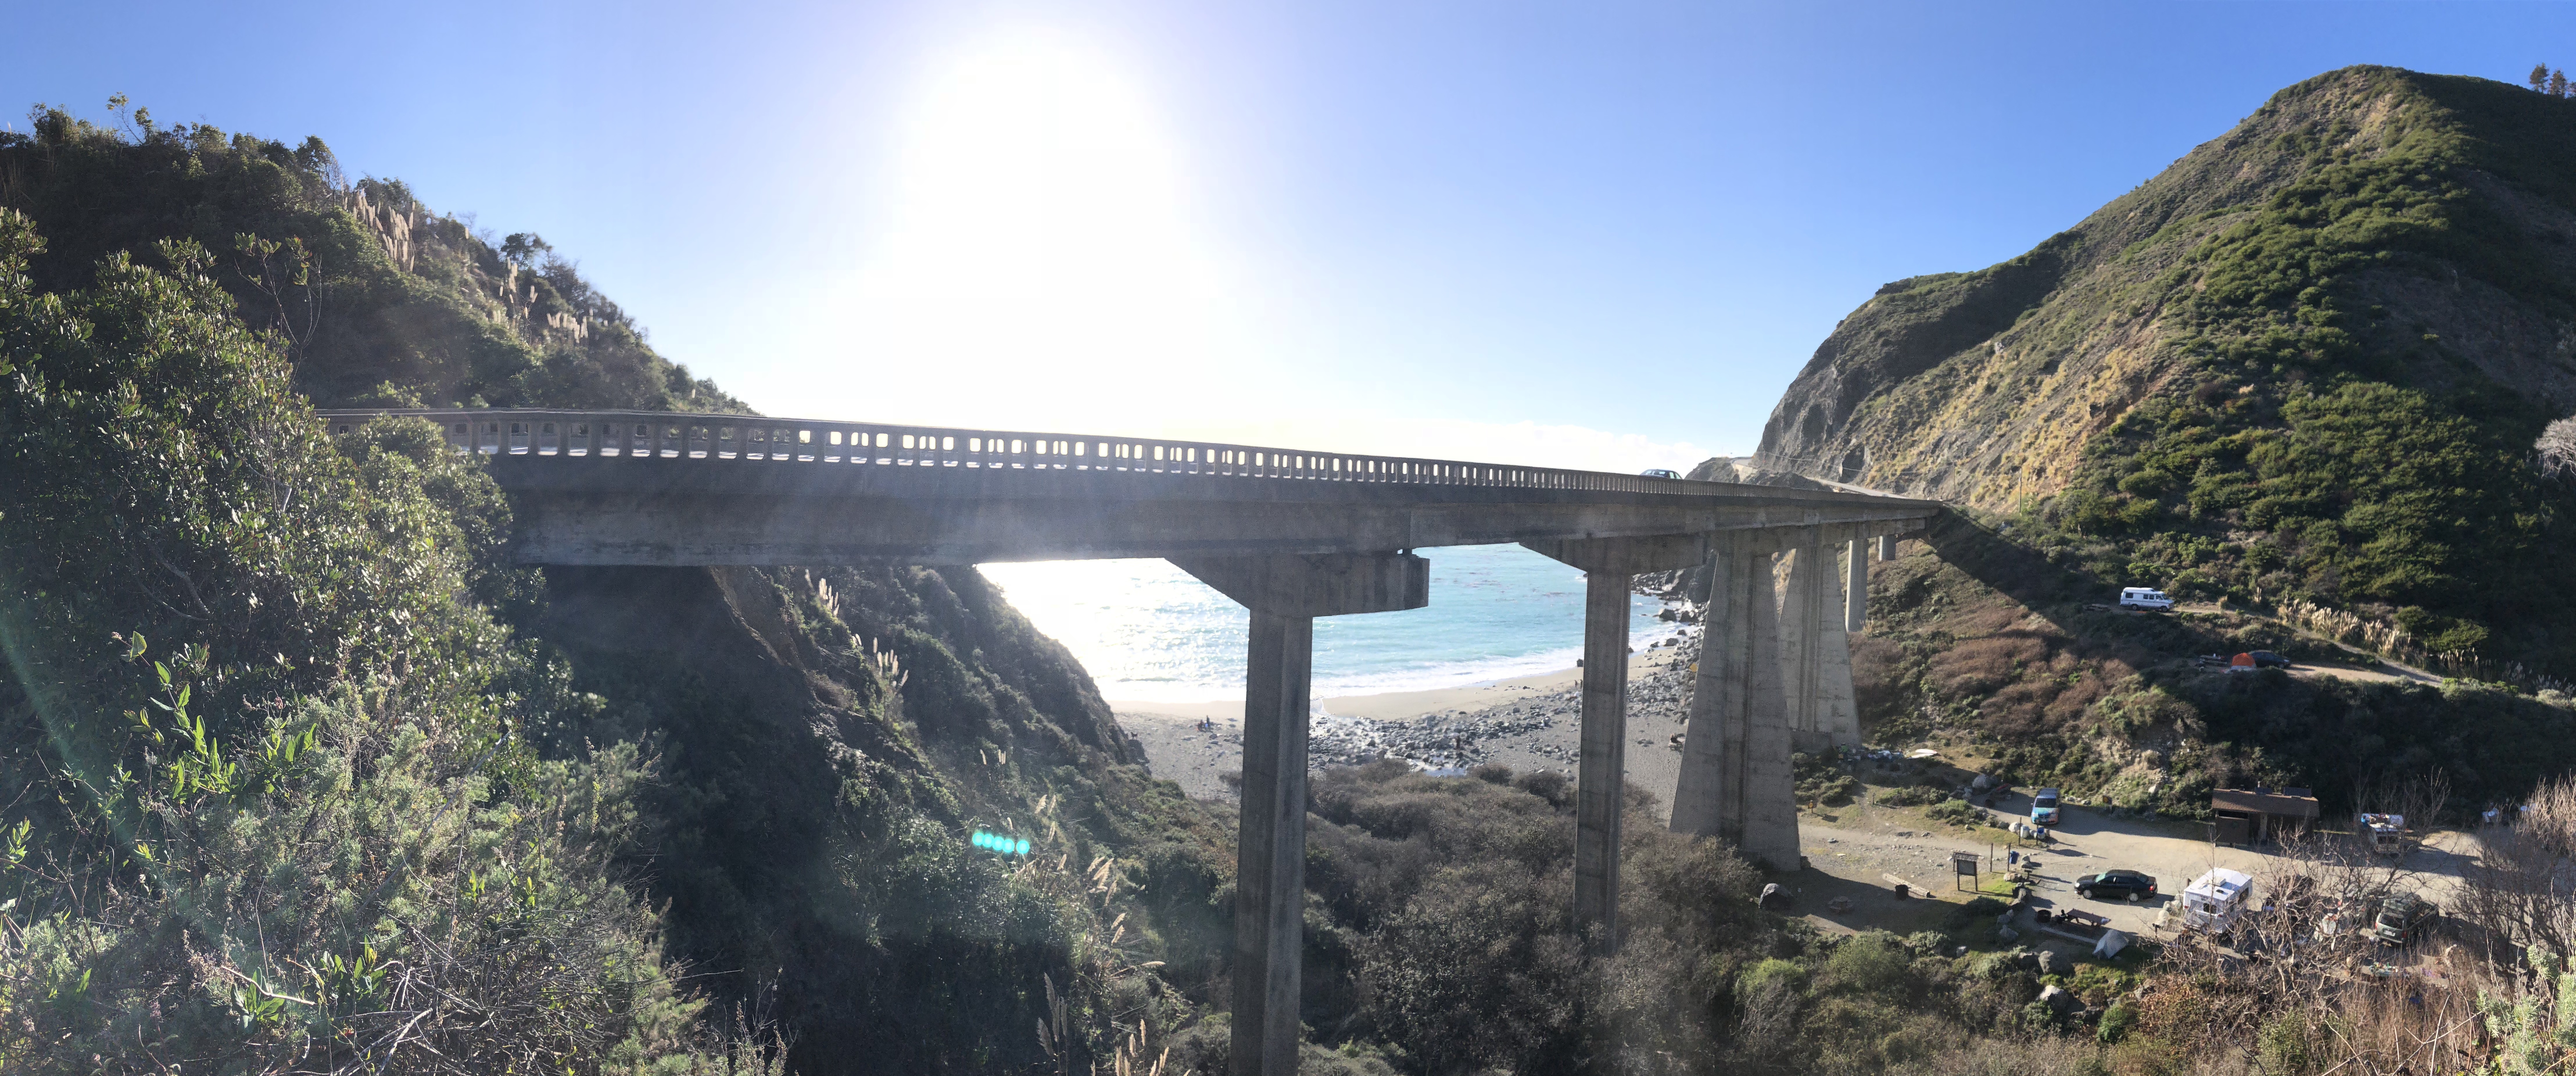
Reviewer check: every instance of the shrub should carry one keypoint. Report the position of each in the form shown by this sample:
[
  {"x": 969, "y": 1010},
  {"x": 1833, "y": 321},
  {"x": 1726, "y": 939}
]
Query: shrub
[
  {"x": 1549, "y": 785},
  {"x": 1910, "y": 796},
  {"x": 1870, "y": 961},
  {"x": 2116, "y": 1022},
  {"x": 1959, "y": 813},
  {"x": 1771, "y": 973}
]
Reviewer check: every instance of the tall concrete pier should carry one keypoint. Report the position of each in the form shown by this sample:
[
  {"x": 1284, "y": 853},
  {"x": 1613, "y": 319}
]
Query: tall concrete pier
[
  {"x": 1609, "y": 567},
  {"x": 1285, "y": 595},
  {"x": 1292, "y": 535},
  {"x": 1774, "y": 678},
  {"x": 1735, "y": 783}
]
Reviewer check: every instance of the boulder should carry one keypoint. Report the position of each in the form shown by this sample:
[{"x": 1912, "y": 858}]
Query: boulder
[
  {"x": 2060, "y": 1001},
  {"x": 2052, "y": 962}
]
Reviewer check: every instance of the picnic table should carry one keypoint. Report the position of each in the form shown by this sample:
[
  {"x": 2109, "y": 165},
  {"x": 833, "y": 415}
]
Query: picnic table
[{"x": 2072, "y": 925}]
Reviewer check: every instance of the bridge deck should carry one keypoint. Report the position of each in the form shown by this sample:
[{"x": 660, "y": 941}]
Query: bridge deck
[{"x": 668, "y": 489}]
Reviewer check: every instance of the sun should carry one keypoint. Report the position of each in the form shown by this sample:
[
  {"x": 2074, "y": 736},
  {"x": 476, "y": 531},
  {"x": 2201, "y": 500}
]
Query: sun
[{"x": 1041, "y": 239}]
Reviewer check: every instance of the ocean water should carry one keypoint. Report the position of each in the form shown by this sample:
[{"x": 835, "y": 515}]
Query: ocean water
[{"x": 1149, "y": 632}]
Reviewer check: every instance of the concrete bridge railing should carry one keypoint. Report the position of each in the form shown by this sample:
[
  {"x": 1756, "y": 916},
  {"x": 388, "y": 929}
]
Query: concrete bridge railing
[{"x": 681, "y": 435}]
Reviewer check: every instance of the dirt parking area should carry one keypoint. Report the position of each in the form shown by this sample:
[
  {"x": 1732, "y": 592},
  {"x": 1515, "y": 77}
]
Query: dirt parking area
[{"x": 1853, "y": 851}]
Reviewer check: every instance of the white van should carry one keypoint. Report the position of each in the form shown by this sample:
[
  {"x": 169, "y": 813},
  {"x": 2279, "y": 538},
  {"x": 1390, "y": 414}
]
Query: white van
[{"x": 2144, "y": 598}]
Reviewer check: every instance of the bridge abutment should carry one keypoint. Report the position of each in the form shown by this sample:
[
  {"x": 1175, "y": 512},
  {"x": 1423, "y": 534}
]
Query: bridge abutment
[{"x": 1285, "y": 595}]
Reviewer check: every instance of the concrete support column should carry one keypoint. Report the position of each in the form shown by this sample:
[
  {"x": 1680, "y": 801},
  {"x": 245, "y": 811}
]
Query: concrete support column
[
  {"x": 1887, "y": 547},
  {"x": 1802, "y": 600},
  {"x": 1285, "y": 594},
  {"x": 1270, "y": 857},
  {"x": 1835, "y": 709},
  {"x": 1735, "y": 782},
  {"x": 1815, "y": 650},
  {"x": 1601, "y": 775},
  {"x": 1856, "y": 586},
  {"x": 1713, "y": 728},
  {"x": 1609, "y": 565}
]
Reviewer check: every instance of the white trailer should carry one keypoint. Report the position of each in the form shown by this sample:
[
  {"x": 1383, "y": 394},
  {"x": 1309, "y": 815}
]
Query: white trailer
[{"x": 2213, "y": 901}]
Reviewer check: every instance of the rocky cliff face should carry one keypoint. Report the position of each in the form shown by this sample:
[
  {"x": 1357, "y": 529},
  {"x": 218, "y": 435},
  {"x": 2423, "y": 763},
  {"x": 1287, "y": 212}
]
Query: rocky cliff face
[{"x": 1987, "y": 387}]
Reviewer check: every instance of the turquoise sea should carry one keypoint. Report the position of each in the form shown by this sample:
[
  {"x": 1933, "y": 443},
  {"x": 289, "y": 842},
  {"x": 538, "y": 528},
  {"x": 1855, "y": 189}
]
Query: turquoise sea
[{"x": 1149, "y": 632}]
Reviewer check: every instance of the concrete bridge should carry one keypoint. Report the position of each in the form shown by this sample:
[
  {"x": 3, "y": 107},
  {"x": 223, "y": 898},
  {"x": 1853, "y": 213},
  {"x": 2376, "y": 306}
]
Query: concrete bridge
[{"x": 1293, "y": 535}]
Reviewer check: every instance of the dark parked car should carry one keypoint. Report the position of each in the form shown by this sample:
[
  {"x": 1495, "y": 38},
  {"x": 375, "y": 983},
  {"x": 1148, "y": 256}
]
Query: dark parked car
[
  {"x": 2265, "y": 659},
  {"x": 2109, "y": 884},
  {"x": 2401, "y": 917}
]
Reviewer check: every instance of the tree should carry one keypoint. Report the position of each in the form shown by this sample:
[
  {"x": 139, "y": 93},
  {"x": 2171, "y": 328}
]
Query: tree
[
  {"x": 2539, "y": 75},
  {"x": 523, "y": 249},
  {"x": 2520, "y": 893},
  {"x": 2558, "y": 84}
]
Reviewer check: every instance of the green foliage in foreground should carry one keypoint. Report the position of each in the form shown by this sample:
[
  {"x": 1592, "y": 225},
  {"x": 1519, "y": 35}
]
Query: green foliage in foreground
[{"x": 273, "y": 815}]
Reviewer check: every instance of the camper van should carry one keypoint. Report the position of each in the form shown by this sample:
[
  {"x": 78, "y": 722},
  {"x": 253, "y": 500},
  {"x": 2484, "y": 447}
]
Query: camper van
[
  {"x": 2388, "y": 833},
  {"x": 2144, "y": 598},
  {"x": 2213, "y": 901}
]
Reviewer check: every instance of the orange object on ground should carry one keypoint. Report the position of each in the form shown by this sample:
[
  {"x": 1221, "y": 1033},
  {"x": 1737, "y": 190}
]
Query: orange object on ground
[{"x": 2241, "y": 661}]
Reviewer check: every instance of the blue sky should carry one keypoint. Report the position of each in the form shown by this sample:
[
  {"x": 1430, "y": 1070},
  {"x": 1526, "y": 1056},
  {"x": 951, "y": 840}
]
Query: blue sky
[{"x": 1583, "y": 235}]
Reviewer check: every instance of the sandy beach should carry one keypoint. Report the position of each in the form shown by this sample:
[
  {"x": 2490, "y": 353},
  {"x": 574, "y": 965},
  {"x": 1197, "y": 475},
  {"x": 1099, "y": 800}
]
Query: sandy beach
[{"x": 1526, "y": 723}]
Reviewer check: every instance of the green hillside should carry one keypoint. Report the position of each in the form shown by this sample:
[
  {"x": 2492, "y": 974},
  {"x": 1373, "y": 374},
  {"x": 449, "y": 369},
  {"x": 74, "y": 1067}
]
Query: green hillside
[{"x": 2303, "y": 368}]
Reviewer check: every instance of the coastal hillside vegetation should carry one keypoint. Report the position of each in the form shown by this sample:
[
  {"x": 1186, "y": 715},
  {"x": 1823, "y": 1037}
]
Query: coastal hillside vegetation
[
  {"x": 2315, "y": 380},
  {"x": 2311, "y": 362},
  {"x": 306, "y": 775}
]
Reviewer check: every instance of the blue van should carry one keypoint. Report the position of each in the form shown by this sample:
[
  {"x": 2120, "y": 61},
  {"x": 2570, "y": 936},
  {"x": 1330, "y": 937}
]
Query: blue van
[{"x": 2043, "y": 807}]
